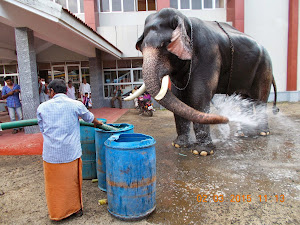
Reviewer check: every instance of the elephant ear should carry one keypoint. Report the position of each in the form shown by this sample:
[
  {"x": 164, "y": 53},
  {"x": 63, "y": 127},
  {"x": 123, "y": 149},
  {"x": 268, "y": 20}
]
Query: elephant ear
[
  {"x": 139, "y": 42},
  {"x": 180, "y": 42}
]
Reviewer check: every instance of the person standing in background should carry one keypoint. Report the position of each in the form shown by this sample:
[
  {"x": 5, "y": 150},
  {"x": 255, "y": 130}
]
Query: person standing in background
[
  {"x": 43, "y": 90},
  {"x": 117, "y": 95},
  {"x": 86, "y": 100},
  {"x": 84, "y": 88},
  {"x": 11, "y": 94},
  {"x": 71, "y": 90}
]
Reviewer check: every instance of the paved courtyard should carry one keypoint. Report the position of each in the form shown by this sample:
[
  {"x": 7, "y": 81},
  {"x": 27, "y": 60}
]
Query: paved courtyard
[{"x": 246, "y": 181}]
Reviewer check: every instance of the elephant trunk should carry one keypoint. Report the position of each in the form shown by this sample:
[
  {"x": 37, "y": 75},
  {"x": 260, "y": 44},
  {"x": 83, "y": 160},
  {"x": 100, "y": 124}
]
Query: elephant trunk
[{"x": 154, "y": 68}]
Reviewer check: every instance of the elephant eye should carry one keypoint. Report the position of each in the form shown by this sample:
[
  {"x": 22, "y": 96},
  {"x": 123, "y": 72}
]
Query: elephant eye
[{"x": 165, "y": 43}]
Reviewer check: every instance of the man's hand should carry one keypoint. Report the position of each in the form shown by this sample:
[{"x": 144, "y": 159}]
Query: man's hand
[
  {"x": 17, "y": 91},
  {"x": 97, "y": 122},
  {"x": 8, "y": 94}
]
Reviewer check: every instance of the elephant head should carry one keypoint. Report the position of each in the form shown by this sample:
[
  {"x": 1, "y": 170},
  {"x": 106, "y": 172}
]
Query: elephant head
[{"x": 166, "y": 48}]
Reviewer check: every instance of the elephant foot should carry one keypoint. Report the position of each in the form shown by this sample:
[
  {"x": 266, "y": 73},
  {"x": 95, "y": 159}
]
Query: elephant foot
[
  {"x": 240, "y": 133},
  {"x": 181, "y": 141},
  {"x": 203, "y": 149},
  {"x": 264, "y": 133}
]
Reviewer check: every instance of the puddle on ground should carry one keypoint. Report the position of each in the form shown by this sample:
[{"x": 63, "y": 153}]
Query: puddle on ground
[{"x": 262, "y": 169}]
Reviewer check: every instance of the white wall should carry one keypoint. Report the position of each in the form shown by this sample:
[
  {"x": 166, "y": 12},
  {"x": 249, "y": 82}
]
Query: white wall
[
  {"x": 123, "y": 29},
  {"x": 56, "y": 54},
  {"x": 267, "y": 22}
]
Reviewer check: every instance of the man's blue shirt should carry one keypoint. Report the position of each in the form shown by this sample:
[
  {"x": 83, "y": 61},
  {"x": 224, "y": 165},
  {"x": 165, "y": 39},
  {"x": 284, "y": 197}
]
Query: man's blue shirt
[
  {"x": 12, "y": 101},
  {"x": 59, "y": 124}
]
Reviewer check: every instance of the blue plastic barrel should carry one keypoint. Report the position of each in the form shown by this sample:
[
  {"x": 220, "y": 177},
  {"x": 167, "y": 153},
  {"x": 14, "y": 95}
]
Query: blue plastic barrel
[
  {"x": 100, "y": 137},
  {"x": 130, "y": 175},
  {"x": 87, "y": 139}
]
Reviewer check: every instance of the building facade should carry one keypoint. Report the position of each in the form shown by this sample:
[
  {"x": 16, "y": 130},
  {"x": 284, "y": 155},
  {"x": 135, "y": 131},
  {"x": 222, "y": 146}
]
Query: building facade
[{"x": 95, "y": 39}]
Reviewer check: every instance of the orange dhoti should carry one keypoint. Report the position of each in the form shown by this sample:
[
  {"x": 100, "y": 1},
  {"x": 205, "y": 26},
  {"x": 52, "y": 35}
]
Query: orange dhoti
[{"x": 63, "y": 185}]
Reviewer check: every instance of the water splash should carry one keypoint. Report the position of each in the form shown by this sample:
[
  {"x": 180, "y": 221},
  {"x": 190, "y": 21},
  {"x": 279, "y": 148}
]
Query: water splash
[{"x": 239, "y": 110}]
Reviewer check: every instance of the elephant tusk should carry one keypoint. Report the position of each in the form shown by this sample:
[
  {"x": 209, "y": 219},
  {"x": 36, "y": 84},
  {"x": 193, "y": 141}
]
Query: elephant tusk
[
  {"x": 137, "y": 93},
  {"x": 163, "y": 89}
]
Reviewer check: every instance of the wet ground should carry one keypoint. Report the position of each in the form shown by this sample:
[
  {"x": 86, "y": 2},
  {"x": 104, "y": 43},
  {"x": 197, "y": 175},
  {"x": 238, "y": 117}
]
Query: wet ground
[{"x": 246, "y": 181}]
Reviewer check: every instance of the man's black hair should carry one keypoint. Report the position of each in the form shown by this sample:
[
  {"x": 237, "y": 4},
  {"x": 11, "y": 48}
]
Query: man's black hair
[
  {"x": 58, "y": 85},
  {"x": 7, "y": 78}
]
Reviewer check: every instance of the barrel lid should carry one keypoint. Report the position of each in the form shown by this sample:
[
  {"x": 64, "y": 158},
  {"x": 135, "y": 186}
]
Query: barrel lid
[
  {"x": 129, "y": 141},
  {"x": 121, "y": 126}
]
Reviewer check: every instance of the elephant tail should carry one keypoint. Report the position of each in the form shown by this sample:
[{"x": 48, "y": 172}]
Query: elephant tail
[{"x": 275, "y": 109}]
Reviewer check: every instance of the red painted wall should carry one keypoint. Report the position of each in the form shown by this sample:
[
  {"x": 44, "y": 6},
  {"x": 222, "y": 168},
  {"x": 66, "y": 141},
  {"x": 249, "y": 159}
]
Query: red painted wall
[
  {"x": 89, "y": 13},
  {"x": 235, "y": 13},
  {"x": 292, "y": 46},
  {"x": 163, "y": 4}
]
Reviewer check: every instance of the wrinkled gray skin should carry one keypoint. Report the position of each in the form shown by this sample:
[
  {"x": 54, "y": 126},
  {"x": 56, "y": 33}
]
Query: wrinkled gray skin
[{"x": 167, "y": 49}]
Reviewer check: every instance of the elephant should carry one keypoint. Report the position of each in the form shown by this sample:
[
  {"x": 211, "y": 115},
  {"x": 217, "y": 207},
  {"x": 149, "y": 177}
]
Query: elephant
[{"x": 201, "y": 59}]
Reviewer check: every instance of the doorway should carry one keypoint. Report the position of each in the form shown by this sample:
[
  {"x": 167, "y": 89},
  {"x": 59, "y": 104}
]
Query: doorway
[{"x": 68, "y": 72}]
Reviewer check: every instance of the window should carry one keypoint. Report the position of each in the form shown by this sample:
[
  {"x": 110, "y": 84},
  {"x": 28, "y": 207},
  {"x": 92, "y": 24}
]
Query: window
[
  {"x": 185, "y": 4},
  {"x": 174, "y": 4},
  {"x": 220, "y": 3},
  {"x": 197, "y": 4},
  {"x": 208, "y": 4},
  {"x": 104, "y": 5},
  {"x": 116, "y": 5},
  {"x": 75, "y": 6},
  {"x": 8, "y": 70},
  {"x": 124, "y": 73},
  {"x": 126, "y": 5}
]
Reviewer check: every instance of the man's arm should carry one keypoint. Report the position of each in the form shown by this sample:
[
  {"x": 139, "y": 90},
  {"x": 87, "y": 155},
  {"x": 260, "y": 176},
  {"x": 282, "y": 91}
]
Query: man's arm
[
  {"x": 5, "y": 95},
  {"x": 46, "y": 88},
  {"x": 40, "y": 87},
  {"x": 40, "y": 122},
  {"x": 87, "y": 116},
  {"x": 97, "y": 122}
]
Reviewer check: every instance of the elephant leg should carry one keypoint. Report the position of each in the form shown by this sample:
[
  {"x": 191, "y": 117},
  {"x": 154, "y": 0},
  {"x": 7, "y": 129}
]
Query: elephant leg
[
  {"x": 203, "y": 142},
  {"x": 262, "y": 118},
  {"x": 256, "y": 112},
  {"x": 183, "y": 132},
  {"x": 247, "y": 129},
  {"x": 182, "y": 125},
  {"x": 260, "y": 91}
]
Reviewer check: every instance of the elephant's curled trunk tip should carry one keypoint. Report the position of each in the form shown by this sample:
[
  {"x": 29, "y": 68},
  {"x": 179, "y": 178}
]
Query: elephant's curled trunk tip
[{"x": 213, "y": 119}]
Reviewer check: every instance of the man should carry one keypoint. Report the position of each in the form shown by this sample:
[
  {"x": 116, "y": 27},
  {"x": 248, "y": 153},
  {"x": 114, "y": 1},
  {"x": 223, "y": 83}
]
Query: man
[
  {"x": 117, "y": 95},
  {"x": 43, "y": 90},
  {"x": 59, "y": 124},
  {"x": 84, "y": 88},
  {"x": 71, "y": 90},
  {"x": 10, "y": 92}
]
